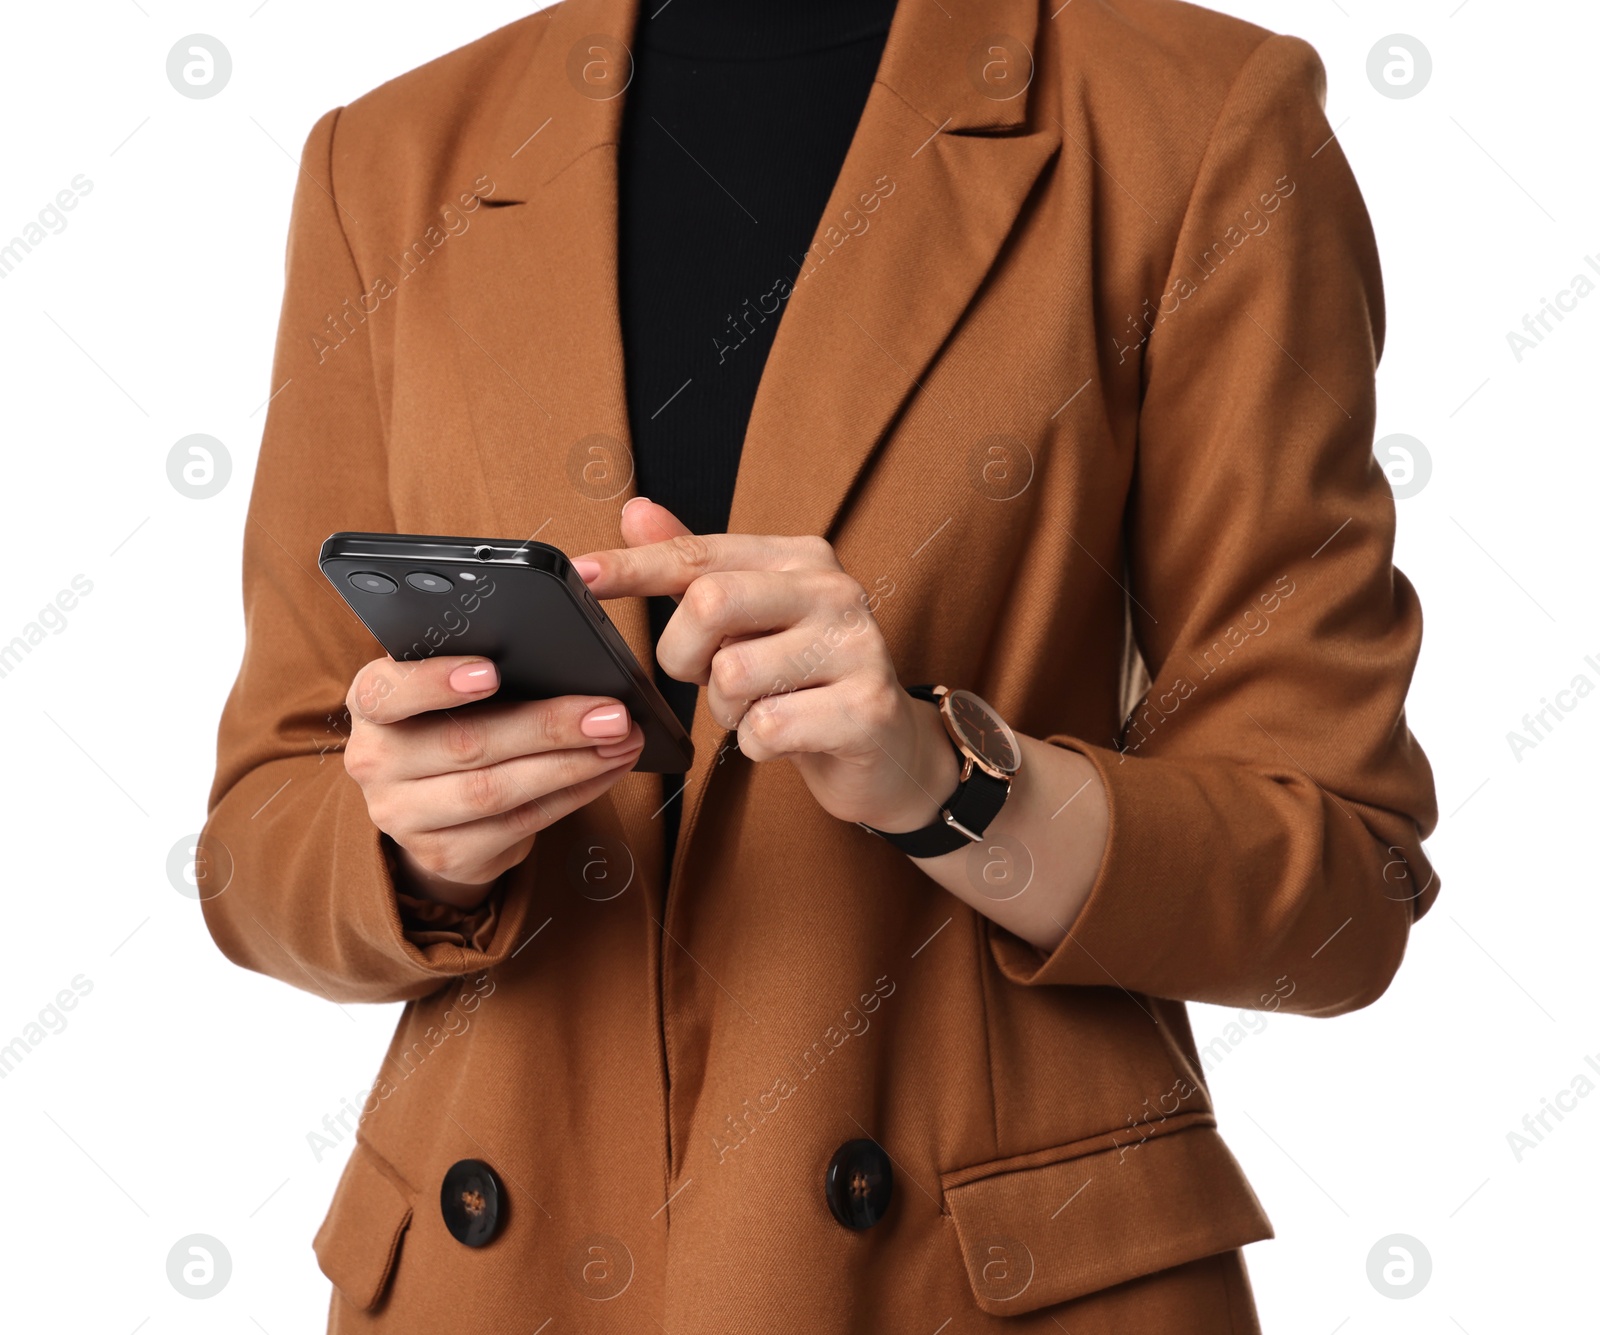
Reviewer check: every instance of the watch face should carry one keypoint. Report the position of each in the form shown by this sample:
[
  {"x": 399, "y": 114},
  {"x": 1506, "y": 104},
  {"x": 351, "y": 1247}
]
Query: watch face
[{"x": 983, "y": 732}]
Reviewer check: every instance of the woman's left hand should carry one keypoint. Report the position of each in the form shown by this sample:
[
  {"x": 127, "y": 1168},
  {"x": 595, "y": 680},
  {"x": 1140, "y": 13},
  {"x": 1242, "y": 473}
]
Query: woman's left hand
[{"x": 784, "y": 643}]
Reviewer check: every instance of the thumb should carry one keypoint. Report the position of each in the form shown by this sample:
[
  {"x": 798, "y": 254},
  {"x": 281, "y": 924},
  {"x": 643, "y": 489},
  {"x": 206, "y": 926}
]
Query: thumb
[{"x": 644, "y": 522}]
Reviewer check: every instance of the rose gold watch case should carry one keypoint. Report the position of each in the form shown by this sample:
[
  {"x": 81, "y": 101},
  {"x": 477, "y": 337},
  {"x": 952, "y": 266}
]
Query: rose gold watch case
[{"x": 972, "y": 756}]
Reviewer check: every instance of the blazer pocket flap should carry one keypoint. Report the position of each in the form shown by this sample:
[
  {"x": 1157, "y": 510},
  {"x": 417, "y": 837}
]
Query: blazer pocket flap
[
  {"x": 1050, "y": 1227},
  {"x": 360, "y": 1237}
]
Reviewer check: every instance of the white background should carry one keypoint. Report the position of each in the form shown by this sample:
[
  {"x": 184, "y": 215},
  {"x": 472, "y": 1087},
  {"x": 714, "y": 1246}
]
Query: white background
[{"x": 179, "y": 1095}]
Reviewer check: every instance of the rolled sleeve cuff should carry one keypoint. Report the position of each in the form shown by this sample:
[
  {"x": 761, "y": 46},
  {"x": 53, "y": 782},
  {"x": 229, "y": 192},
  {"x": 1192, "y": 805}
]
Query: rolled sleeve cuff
[
  {"x": 1115, "y": 916},
  {"x": 450, "y": 942}
]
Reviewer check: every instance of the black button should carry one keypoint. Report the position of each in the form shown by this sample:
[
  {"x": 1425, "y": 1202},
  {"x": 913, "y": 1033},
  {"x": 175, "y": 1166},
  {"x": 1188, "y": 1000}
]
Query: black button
[
  {"x": 859, "y": 1184},
  {"x": 472, "y": 1201}
]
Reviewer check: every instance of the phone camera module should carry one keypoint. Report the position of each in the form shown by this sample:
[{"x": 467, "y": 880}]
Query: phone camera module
[
  {"x": 369, "y": 581},
  {"x": 428, "y": 582}
]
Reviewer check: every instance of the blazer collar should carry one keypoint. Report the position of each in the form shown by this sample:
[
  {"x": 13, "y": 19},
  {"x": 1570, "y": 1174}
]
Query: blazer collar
[
  {"x": 945, "y": 145},
  {"x": 949, "y": 64}
]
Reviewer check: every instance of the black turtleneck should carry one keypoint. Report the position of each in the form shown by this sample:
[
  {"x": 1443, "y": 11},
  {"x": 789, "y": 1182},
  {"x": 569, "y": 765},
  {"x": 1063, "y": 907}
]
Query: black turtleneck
[{"x": 734, "y": 130}]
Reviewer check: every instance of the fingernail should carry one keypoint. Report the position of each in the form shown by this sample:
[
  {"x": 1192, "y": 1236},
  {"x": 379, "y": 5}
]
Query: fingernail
[
  {"x": 606, "y": 721},
  {"x": 470, "y": 678},
  {"x": 587, "y": 569},
  {"x": 633, "y": 500},
  {"x": 612, "y": 750}
]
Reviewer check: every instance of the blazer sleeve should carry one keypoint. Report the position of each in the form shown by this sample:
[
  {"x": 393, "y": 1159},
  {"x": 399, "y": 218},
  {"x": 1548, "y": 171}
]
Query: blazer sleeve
[
  {"x": 297, "y": 881},
  {"x": 1267, "y": 800}
]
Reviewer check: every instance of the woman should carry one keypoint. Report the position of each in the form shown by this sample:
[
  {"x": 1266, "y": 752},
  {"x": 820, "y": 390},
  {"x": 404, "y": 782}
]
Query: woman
[{"x": 1068, "y": 407}]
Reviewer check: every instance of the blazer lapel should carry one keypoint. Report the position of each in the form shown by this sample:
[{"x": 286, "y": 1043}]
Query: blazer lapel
[
  {"x": 533, "y": 292},
  {"x": 939, "y": 166},
  {"x": 871, "y": 307},
  {"x": 537, "y": 326}
]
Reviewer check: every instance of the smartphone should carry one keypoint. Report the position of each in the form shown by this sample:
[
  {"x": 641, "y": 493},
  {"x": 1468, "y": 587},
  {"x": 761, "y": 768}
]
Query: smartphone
[{"x": 520, "y": 604}]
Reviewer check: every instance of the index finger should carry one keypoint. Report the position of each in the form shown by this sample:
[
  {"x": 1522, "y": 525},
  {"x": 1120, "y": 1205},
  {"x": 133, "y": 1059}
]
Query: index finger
[
  {"x": 672, "y": 565},
  {"x": 385, "y": 691}
]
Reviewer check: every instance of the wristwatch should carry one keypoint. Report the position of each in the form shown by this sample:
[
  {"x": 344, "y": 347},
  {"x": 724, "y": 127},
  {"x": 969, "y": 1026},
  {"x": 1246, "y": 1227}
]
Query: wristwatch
[{"x": 989, "y": 761}]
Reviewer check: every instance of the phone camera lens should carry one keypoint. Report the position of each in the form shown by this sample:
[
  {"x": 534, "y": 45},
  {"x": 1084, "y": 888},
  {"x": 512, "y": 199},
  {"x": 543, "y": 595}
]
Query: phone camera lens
[
  {"x": 428, "y": 582},
  {"x": 369, "y": 581}
]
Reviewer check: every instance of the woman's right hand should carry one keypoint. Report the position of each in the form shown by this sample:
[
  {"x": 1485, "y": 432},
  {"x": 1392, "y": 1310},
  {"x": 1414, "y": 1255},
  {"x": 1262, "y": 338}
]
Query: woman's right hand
[{"x": 462, "y": 795}]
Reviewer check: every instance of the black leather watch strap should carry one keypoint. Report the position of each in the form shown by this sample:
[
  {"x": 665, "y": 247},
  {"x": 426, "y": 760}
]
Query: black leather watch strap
[{"x": 975, "y": 803}]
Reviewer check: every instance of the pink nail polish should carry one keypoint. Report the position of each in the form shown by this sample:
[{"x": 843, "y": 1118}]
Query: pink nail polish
[
  {"x": 606, "y": 721},
  {"x": 587, "y": 569},
  {"x": 470, "y": 678}
]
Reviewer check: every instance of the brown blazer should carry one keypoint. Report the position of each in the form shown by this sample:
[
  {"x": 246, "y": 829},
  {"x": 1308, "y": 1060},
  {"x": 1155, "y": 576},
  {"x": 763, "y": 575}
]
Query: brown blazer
[{"x": 1078, "y": 378}]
